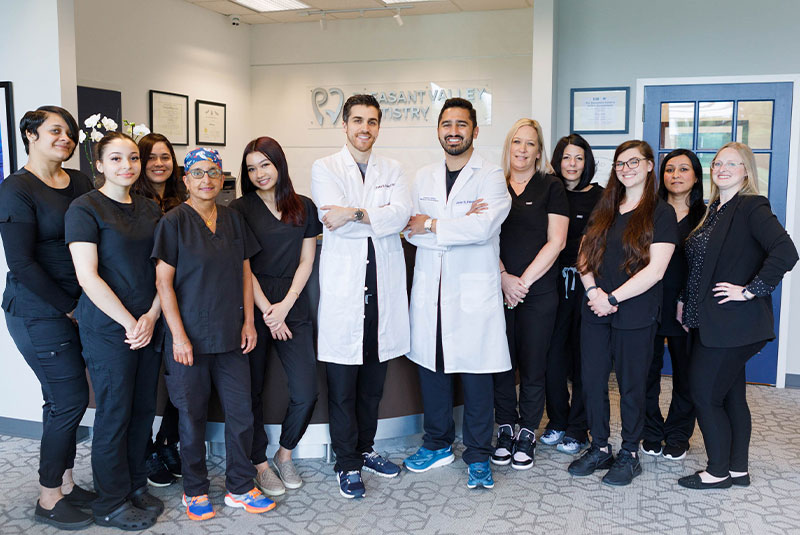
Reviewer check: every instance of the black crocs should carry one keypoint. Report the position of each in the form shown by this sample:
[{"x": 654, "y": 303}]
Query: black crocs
[
  {"x": 80, "y": 497},
  {"x": 63, "y": 515},
  {"x": 141, "y": 499},
  {"x": 127, "y": 517}
]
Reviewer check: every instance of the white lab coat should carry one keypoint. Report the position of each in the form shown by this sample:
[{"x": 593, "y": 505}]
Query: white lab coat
[
  {"x": 464, "y": 256},
  {"x": 336, "y": 180}
]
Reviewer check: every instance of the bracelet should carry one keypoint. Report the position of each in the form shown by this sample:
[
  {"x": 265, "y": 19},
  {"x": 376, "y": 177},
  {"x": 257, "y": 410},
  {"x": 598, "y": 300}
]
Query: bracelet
[
  {"x": 179, "y": 345},
  {"x": 589, "y": 289},
  {"x": 295, "y": 292}
]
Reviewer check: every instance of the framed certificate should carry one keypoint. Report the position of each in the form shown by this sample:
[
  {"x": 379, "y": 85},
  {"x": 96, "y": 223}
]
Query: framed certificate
[
  {"x": 8, "y": 132},
  {"x": 169, "y": 116},
  {"x": 599, "y": 110},
  {"x": 209, "y": 122}
]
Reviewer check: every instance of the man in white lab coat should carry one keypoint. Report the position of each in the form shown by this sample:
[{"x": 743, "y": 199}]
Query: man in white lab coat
[
  {"x": 457, "y": 321},
  {"x": 363, "y": 203}
]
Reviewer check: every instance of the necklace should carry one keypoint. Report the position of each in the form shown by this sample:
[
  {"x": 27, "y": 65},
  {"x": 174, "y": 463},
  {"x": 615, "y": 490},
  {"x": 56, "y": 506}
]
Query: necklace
[
  {"x": 210, "y": 220},
  {"x": 520, "y": 182}
]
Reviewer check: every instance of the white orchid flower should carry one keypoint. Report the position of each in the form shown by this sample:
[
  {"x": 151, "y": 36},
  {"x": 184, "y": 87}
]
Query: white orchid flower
[
  {"x": 92, "y": 120},
  {"x": 95, "y": 135},
  {"x": 81, "y": 136},
  {"x": 109, "y": 124},
  {"x": 140, "y": 130}
]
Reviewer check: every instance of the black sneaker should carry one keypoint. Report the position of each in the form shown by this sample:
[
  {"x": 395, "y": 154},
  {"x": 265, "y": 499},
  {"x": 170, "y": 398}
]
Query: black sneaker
[
  {"x": 505, "y": 445},
  {"x": 524, "y": 449},
  {"x": 592, "y": 459},
  {"x": 674, "y": 452},
  {"x": 624, "y": 469},
  {"x": 157, "y": 473},
  {"x": 63, "y": 516},
  {"x": 80, "y": 497},
  {"x": 169, "y": 455},
  {"x": 650, "y": 447}
]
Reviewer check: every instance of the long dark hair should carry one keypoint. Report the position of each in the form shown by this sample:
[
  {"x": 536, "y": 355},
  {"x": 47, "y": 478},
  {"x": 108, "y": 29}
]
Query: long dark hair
[
  {"x": 589, "y": 165},
  {"x": 638, "y": 234},
  {"x": 174, "y": 190},
  {"x": 695, "y": 201},
  {"x": 286, "y": 200}
]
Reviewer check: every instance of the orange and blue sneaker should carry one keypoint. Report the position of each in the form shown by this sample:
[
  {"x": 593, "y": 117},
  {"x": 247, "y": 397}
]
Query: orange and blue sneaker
[
  {"x": 198, "y": 507},
  {"x": 252, "y": 502}
]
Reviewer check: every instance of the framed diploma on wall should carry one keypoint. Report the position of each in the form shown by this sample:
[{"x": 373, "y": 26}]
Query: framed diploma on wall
[
  {"x": 169, "y": 116},
  {"x": 8, "y": 131},
  {"x": 210, "y": 122},
  {"x": 599, "y": 110}
]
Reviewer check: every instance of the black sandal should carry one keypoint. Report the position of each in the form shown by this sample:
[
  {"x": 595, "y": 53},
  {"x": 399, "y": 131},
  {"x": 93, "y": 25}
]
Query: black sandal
[
  {"x": 141, "y": 499},
  {"x": 63, "y": 515},
  {"x": 127, "y": 517},
  {"x": 80, "y": 497}
]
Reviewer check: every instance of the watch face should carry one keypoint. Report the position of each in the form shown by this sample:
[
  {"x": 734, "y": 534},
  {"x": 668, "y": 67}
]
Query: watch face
[{"x": 359, "y": 215}]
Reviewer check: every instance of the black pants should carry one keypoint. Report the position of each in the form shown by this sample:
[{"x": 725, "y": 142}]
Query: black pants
[
  {"x": 679, "y": 425},
  {"x": 717, "y": 382},
  {"x": 124, "y": 383},
  {"x": 437, "y": 401},
  {"x": 52, "y": 348},
  {"x": 564, "y": 362},
  {"x": 190, "y": 388},
  {"x": 355, "y": 391},
  {"x": 168, "y": 430},
  {"x": 630, "y": 351},
  {"x": 529, "y": 328},
  {"x": 298, "y": 359}
]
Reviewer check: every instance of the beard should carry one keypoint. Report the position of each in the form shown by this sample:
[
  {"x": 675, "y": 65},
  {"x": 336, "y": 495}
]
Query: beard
[{"x": 455, "y": 150}]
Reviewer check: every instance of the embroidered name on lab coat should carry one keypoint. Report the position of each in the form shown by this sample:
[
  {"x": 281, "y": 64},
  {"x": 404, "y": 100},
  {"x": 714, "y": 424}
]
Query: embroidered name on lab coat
[
  {"x": 379, "y": 186},
  {"x": 464, "y": 202},
  {"x": 430, "y": 199}
]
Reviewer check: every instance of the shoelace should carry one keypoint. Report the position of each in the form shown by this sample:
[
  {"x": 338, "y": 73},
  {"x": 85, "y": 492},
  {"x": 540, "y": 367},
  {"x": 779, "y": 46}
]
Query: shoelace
[
  {"x": 254, "y": 494},
  {"x": 374, "y": 455},
  {"x": 199, "y": 500}
]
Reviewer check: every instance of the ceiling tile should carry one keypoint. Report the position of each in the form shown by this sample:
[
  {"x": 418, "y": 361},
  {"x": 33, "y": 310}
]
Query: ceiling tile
[
  {"x": 226, "y": 8},
  {"x": 342, "y": 4},
  {"x": 422, "y": 8},
  {"x": 487, "y": 5},
  {"x": 255, "y": 19}
]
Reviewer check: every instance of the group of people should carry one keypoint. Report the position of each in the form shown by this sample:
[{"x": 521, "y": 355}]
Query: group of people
[{"x": 527, "y": 270}]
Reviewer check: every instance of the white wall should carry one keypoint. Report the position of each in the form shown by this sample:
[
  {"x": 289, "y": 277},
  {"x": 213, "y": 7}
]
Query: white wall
[
  {"x": 167, "y": 45},
  {"x": 288, "y": 59}
]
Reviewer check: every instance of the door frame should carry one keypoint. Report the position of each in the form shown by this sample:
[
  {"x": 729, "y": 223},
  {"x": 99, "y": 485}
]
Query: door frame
[{"x": 791, "y": 186}]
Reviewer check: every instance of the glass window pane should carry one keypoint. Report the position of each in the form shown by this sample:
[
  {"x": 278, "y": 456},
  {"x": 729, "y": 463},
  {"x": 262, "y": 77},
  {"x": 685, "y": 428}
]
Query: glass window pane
[
  {"x": 715, "y": 124},
  {"x": 705, "y": 159},
  {"x": 754, "y": 124},
  {"x": 763, "y": 161},
  {"x": 677, "y": 125}
]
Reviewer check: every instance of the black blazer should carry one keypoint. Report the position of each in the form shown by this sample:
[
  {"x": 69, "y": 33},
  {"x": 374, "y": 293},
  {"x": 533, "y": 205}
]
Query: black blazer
[{"x": 748, "y": 240}]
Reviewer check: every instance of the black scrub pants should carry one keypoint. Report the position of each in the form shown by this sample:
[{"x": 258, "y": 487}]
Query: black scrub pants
[
  {"x": 298, "y": 359},
  {"x": 679, "y": 425},
  {"x": 168, "y": 430},
  {"x": 52, "y": 348},
  {"x": 190, "y": 388},
  {"x": 355, "y": 391},
  {"x": 630, "y": 351},
  {"x": 437, "y": 401},
  {"x": 529, "y": 329},
  {"x": 564, "y": 362},
  {"x": 125, "y": 384},
  {"x": 717, "y": 383}
]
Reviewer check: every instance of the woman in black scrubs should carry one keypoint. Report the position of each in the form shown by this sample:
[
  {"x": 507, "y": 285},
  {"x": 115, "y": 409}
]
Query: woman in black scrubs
[
  {"x": 110, "y": 236},
  {"x": 682, "y": 187},
  {"x": 737, "y": 257},
  {"x": 573, "y": 163},
  {"x": 40, "y": 297},
  {"x": 623, "y": 256},
  {"x": 531, "y": 238},
  {"x": 204, "y": 282},
  {"x": 286, "y": 227},
  {"x": 159, "y": 180}
]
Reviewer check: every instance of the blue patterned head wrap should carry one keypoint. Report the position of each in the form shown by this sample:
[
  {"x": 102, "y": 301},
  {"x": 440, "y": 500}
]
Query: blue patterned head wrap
[{"x": 200, "y": 154}]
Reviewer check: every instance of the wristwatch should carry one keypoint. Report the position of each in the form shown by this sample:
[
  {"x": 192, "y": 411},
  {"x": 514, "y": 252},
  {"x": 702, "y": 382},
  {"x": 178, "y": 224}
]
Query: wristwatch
[
  {"x": 359, "y": 214},
  {"x": 428, "y": 225},
  {"x": 612, "y": 300}
]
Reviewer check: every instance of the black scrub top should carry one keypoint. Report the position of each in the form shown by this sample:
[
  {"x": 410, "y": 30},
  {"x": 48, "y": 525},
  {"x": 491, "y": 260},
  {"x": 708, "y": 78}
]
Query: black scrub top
[
  {"x": 281, "y": 243},
  {"x": 48, "y": 286},
  {"x": 208, "y": 274},
  {"x": 524, "y": 232},
  {"x": 645, "y": 309},
  {"x": 124, "y": 236},
  {"x": 675, "y": 280},
  {"x": 581, "y": 204}
]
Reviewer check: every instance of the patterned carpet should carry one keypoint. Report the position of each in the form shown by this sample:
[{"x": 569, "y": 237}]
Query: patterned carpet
[{"x": 544, "y": 499}]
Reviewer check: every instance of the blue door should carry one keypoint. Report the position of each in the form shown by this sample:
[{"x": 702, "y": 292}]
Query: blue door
[{"x": 704, "y": 117}]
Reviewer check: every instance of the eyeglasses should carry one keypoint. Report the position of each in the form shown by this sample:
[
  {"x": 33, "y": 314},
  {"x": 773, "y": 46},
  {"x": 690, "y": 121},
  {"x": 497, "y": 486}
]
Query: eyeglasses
[
  {"x": 633, "y": 163},
  {"x": 199, "y": 173},
  {"x": 730, "y": 166}
]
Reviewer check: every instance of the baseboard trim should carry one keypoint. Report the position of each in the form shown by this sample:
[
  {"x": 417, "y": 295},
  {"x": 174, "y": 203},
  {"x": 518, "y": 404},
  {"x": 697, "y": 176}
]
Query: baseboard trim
[
  {"x": 792, "y": 380},
  {"x": 29, "y": 429}
]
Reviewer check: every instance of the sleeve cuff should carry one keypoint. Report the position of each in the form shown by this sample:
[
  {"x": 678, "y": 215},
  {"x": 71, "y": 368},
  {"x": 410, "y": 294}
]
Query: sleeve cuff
[{"x": 759, "y": 288}]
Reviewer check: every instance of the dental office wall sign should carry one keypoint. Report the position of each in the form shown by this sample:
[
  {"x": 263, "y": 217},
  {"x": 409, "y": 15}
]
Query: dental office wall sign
[{"x": 403, "y": 104}]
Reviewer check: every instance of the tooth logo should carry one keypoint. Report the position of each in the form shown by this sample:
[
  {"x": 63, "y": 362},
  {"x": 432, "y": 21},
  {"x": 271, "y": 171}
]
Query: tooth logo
[{"x": 320, "y": 97}]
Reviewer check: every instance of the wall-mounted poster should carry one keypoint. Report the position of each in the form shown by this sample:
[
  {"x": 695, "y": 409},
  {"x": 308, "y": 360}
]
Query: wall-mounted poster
[
  {"x": 95, "y": 101},
  {"x": 604, "y": 162},
  {"x": 599, "y": 110},
  {"x": 169, "y": 116},
  {"x": 8, "y": 132},
  {"x": 209, "y": 120}
]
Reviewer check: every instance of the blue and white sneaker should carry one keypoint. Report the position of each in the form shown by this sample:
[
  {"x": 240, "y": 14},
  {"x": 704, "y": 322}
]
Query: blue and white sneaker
[
  {"x": 551, "y": 437},
  {"x": 480, "y": 474},
  {"x": 376, "y": 464},
  {"x": 350, "y": 484},
  {"x": 425, "y": 459},
  {"x": 571, "y": 446}
]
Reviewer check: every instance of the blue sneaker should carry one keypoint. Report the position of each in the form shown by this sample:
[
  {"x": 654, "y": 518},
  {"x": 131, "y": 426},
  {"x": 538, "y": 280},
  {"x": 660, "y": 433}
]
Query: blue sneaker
[
  {"x": 376, "y": 464},
  {"x": 198, "y": 507},
  {"x": 551, "y": 437},
  {"x": 571, "y": 446},
  {"x": 425, "y": 459},
  {"x": 252, "y": 501},
  {"x": 350, "y": 484},
  {"x": 480, "y": 474}
]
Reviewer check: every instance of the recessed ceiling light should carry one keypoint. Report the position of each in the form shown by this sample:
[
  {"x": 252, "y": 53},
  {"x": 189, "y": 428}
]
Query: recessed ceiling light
[{"x": 264, "y": 6}]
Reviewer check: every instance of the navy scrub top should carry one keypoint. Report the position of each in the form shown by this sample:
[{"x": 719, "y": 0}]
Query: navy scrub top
[
  {"x": 123, "y": 234},
  {"x": 208, "y": 274}
]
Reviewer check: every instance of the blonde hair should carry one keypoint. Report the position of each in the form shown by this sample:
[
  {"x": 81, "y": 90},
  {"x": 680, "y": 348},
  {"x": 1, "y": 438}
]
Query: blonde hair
[{"x": 542, "y": 163}]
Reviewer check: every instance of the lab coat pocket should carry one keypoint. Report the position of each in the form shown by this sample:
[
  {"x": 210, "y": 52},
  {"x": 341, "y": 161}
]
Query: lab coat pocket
[
  {"x": 479, "y": 291},
  {"x": 418, "y": 289}
]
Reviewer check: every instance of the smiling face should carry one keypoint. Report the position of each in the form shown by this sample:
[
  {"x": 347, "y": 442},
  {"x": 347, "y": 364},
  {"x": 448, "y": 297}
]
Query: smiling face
[
  {"x": 572, "y": 163},
  {"x": 456, "y": 131},
  {"x": 679, "y": 177},
  {"x": 158, "y": 167},
  {"x": 631, "y": 178},
  {"x": 525, "y": 150},
  {"x": 119, "y": 162},
  {"x": 731, "y": 175},
  {"x": 261, "y": 172},
  {"x": 51, "y": 140},
  {"x": 204, "y": 188},
  {"x": 362, "y": 127}
]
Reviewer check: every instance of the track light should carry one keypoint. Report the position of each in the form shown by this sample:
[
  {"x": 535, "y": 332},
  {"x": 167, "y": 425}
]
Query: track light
[
  {"x": 323, "y": 22},
  {"x": 397, "y": 18}
]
